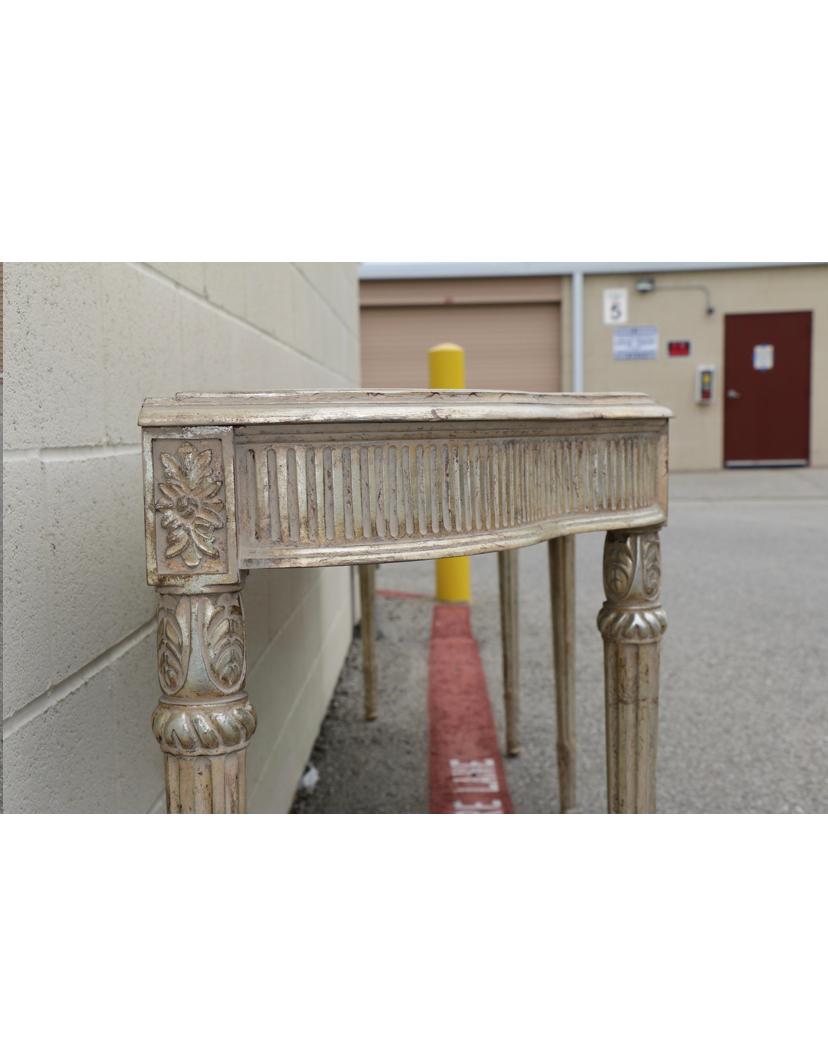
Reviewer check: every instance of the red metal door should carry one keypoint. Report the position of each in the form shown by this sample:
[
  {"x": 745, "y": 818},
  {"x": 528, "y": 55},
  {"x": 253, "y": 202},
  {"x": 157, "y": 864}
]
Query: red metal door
[{"x": 767, "y": 388}]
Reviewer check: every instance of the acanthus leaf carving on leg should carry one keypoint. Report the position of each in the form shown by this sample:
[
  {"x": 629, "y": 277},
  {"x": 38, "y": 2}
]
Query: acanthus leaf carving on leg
[
  {"x": 650, "y": 564},
  {"x": 222, "y": 639},
  {"x": 173, "y": 642},
  {"x": 619, "y": 565},
  {"x": 204, "y": 710}
]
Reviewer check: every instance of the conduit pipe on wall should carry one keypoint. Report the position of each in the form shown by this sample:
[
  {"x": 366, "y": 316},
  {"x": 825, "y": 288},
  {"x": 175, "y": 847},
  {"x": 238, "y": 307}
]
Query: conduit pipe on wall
[{"x": 577, "y": 332}]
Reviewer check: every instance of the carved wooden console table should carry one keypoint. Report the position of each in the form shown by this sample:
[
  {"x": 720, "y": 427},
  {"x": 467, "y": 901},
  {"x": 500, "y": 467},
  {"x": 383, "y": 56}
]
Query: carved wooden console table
[{"x": 238, "y": 481}]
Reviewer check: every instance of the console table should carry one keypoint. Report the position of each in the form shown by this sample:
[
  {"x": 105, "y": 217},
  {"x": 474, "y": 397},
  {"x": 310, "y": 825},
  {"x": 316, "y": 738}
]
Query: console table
[{"x": 239, "y": 481}]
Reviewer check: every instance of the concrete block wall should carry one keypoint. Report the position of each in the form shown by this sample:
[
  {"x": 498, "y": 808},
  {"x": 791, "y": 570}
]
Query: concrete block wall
[{"x": 84, "y": 344}]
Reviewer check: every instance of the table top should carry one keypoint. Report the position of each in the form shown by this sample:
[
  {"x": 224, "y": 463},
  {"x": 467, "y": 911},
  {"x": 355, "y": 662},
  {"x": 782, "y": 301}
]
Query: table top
[
  {"x": 334, "y": 477},
  {"x": 392, "y": 405}
]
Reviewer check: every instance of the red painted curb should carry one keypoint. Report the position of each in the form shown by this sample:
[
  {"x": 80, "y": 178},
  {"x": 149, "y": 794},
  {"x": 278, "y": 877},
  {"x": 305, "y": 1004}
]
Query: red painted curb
[
  {"x": 386, "y": 593},
  {"x": 466, "y": 773}
]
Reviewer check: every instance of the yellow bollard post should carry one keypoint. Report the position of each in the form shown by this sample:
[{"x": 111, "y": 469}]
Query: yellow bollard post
[{"x": 447, "y": 370}]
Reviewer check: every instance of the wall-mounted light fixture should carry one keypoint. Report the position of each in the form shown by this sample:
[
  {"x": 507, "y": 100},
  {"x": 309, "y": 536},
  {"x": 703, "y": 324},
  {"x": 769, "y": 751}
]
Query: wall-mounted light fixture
[{"x": 647, "y": 285}]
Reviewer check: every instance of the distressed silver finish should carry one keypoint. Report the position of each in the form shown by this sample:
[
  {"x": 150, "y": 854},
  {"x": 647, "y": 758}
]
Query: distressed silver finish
[
  {"x": 507, "y": 567},
  {"x": 367, "y": 589},
  {"x": 632, "y": 623},
  {"x": 301, "y": 479},
  {"x": 204, "y": 719},
  {"x": 562, "y": 593}
]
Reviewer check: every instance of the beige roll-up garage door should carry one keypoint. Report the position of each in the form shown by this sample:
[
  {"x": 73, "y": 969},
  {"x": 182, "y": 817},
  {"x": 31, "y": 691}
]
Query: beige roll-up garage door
[{"x": 508, "y": 346}]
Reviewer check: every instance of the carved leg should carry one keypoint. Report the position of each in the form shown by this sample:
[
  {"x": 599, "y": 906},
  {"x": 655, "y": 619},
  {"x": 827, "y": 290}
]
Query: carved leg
[
  {"x": 367, "y": 579},
  {"x": 562, "y": 588},
  {"x": 507, "y": 567},
  {"x": 632, "y": 623},
  {"x": 204, "y": 719}
]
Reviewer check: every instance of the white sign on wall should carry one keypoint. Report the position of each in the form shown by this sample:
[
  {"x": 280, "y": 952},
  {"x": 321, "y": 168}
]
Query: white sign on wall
[
  {"x": 635, "y": 343},
  {"x": 763, "y": 357},
  {"x": 615, "y": 307}
]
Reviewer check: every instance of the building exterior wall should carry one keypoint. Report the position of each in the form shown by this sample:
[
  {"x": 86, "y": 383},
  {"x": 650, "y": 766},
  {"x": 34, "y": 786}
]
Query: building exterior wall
[
  {"x": 696, "y": 441},
  {"x": 697, "y": 431},
  {"x": 84, "y": 344},
  {"x": 509, "y": 328}
]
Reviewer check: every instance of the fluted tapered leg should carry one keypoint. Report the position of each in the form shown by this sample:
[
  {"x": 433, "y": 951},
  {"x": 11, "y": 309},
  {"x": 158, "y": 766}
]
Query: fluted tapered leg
[
  {"x": 507, "y": 566},
  {"x": 632, "y": 623},
  {"x": 562, "y": 589},
  {"x": 367, "y": 583},
  {"x": 204, "y": 719}
]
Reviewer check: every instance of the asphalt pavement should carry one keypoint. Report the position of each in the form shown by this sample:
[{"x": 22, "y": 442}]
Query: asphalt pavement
[{"x": 744, "y": 683}]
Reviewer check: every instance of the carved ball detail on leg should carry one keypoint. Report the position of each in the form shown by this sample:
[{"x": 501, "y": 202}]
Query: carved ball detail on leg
[{"x": 203, "y": 730}]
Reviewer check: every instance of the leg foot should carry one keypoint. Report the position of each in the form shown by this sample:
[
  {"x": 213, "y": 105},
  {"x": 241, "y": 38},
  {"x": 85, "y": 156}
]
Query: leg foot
[
  {"x": 562, "y": 586},
  {"x": 507, "y": 564},
  {"x": 367, "y": 582}
]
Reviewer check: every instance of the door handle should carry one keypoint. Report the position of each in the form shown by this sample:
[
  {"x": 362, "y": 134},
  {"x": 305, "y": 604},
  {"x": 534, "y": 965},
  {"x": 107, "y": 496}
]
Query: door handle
[{"x": 733, "y": 394}]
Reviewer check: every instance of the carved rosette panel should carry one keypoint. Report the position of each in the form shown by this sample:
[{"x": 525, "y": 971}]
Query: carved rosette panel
[
  {"x": 632, "y": 583},
  {"x": 190, "y": 506}
]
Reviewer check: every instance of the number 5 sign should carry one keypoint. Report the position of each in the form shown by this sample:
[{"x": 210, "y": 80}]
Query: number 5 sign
[{"x": 615, "y": 307}]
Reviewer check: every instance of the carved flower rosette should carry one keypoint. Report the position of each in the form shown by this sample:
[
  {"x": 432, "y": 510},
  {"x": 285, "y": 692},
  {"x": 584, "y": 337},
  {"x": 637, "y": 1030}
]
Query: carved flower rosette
[{"x": 190, "y": 505}]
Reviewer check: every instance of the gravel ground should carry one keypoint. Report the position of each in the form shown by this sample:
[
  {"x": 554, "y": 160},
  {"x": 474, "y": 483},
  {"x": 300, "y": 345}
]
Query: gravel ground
[{"x": 744, "y": 690}]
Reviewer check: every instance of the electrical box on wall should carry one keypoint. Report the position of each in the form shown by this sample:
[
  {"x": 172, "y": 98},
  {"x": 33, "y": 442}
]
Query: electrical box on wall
[{"x": 705, "y": 384}]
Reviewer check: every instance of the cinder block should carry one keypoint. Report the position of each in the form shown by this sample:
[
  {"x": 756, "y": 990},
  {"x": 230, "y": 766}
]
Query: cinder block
[
  {"x": 353, "y": 361},
  {"x": 54, "y": 394},
  {"x": 322, "y": 276},
  {"x": 261, "y": 361},
  {"x": 302, "y": 295},
  {"x": 93, "y": 750},
  {"x": 271, "y": 597},
  {"x": 268, "y": 299},
  {"x": 291, "y": 696},
  {"x": 323, "y": 304},
  {"x": 79, "y": 585},
  {"x": 137, "y": 760},
  {"x": 97, "y": 573},
  {"x": 336, "y": 284},
  {"x": 210, "y": 347},
  {"x": 189, "y": 274},
  {"x": 347, "y": 296},
  {"x": 335, "y": 343},
  {"x": 287, "y": 588},
  {"x": 221, "y": 353},
  {"x": 224, "y": 285},
  {"x": 141, "y": 345},
  {"x": 256, "y": 599},
  {"x": 27, "y": 610}
]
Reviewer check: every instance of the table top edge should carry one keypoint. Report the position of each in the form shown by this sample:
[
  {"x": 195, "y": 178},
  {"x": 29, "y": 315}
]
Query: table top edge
[{"x": 299, "y": 407}]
